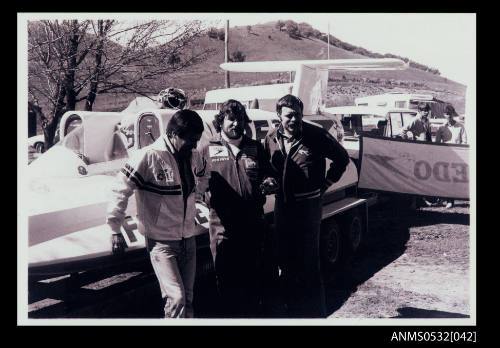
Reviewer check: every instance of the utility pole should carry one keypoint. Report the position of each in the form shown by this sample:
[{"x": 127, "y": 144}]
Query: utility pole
[
  {"x": 328, "y": 40},
  {"x": 226, "y": 53}
]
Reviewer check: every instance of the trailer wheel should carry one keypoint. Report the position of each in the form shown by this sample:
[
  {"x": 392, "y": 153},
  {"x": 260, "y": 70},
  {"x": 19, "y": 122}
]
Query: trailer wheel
[
  {"x": 331, "y": 249},
  {"x": 353, "y": 227}
]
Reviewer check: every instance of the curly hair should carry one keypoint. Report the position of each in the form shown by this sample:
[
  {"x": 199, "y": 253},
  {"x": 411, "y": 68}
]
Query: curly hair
[{"x": 230, "y": 107}]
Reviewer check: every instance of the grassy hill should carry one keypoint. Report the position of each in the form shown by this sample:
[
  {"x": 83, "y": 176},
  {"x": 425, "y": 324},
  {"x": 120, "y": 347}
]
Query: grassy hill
[{"x": 265, "y": 42}]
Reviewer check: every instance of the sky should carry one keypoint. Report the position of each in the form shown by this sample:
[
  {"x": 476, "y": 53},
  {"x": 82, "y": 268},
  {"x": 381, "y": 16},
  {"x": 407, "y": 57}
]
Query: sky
[{"x": 446, "y": 41}]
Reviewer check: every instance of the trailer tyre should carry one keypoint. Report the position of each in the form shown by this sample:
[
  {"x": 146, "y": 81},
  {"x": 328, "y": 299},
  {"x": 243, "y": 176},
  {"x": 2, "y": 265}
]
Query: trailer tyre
[
  {"x": 331, "y": 246},
  {"x": 353, "y": 227}
]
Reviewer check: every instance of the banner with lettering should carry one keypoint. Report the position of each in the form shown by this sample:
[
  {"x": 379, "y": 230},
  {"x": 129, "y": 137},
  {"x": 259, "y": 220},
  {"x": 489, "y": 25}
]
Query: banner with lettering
[{"x": 413, "y": 167}]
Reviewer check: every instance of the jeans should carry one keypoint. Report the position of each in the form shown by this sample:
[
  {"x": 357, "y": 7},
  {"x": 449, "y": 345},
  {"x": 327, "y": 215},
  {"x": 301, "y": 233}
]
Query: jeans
[{"x": 174, "y": 263}]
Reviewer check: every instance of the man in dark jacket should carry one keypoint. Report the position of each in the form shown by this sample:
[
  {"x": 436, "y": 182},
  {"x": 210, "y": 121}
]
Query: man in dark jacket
[
  {"x": 298, "y": 153},
  {"x": 237, "y": 168}
]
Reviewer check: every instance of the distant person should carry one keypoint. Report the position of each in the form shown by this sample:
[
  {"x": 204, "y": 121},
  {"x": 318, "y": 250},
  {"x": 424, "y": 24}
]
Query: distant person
[
  {"x": 419, "y": 126},
  {"x": 381, "y": 127},
  {"x": 239, "y": 177},
  {"x": 162, "y": 175},
  {"x": 452, "y": 132},
  {"x": 298, "y": 153},
  {"x": 420, "y": 129}
]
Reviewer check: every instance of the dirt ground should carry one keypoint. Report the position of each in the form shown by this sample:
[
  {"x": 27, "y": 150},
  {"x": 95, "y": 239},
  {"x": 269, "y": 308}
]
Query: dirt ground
[{"x": 413, "y": 265}]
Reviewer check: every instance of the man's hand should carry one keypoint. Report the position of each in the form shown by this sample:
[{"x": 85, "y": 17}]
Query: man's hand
[
  {"x": 118, "y": 244},
  {"x": 269, "y": 186}
]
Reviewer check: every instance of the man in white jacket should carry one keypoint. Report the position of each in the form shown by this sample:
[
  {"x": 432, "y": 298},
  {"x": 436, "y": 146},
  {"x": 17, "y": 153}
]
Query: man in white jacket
[{"x": 162, "y": 175}]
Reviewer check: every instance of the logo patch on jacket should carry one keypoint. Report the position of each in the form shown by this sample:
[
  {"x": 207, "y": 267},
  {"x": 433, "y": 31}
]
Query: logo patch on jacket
[
  {"x": 166, "y": 173},
  {"x": 218, "y": 151},
  {"x": 250, "y": 163},
  {"x": 304, "y": 152}
]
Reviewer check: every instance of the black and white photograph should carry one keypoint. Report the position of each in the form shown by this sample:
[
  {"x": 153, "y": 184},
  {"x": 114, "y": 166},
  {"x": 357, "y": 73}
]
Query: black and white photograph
[{"x": 247, "y": 169}]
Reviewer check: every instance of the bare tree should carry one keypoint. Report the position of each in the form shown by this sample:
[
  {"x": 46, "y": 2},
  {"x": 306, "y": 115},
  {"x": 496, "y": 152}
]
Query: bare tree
[{"x": 74, "y": 61}]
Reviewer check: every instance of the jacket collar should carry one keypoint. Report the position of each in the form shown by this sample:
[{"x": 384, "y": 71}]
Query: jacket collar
[
  {"x": 163, "y": 144},
  {"x": 280, "y": 133},
  {"x": 420, "y": 117},
  {"x": 218, "y": 139}
]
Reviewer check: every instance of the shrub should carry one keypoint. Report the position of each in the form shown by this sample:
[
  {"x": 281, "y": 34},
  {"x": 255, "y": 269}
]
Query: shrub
[
  {"x": 292, "y": 29},
  {"x": 174, "y": 59},
  {"x": 279, "y": 25},
  {"x": 221, "y": 34},
  {"x": 212, "y": 33},
  {"x": 237, "y": 56}
]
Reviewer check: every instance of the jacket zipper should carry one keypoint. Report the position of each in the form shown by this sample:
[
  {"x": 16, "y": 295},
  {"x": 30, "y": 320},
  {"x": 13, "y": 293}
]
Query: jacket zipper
[
  {"x": 238, "y": 173},
  {"x": 184, "y": 202},
  {"x": 296, "y": 143},
  {"x": 235, "y": 158}
]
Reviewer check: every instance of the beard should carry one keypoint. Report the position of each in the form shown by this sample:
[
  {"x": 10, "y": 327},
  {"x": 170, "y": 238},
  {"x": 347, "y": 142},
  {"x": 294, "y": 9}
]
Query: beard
[{"x": 233, "y": 133}]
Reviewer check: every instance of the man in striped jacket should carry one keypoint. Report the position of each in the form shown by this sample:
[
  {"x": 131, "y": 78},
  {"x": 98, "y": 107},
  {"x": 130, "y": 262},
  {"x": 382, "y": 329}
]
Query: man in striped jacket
[
  {"x": 162, "y": 175},
  {"x": 298, "y": 153}
]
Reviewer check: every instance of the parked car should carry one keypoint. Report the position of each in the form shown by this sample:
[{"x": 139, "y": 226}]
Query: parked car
[{"x": 37, "y": 142}]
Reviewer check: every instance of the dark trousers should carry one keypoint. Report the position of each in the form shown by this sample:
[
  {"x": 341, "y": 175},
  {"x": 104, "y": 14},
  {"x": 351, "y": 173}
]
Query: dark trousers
[
  {"x": 237, "y": 256},
  {"x": 298, "y": 229}
]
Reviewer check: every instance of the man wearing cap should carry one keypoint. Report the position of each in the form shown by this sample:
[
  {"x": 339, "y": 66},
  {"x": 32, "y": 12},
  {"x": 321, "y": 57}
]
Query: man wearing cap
[
  {"x": 452, "y": 132},
  {"x": 419, "y": 126},
  {"x": 162, "y": 176},
  {"x": 420, "y": 129},
  {"x": 298, "y": 153},
  {"x": 238, "y": 180}
]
